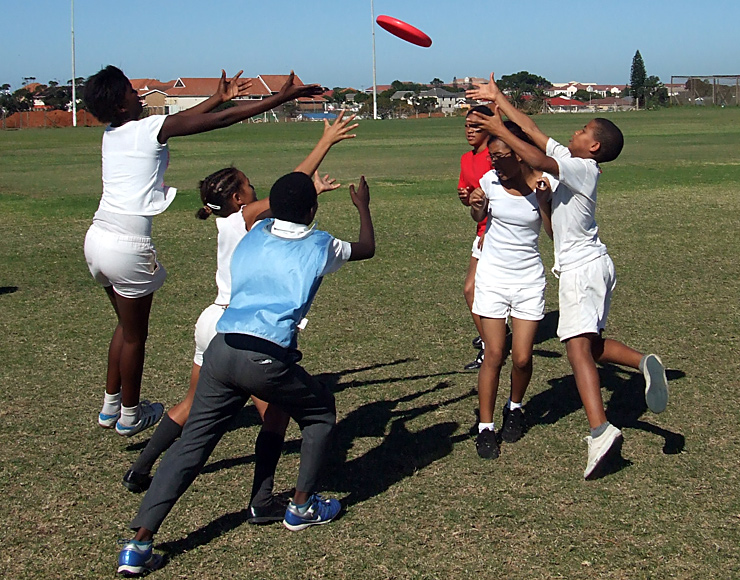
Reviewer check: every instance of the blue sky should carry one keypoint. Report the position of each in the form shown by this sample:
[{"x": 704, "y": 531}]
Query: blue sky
[{"x": 329, "y": 42}]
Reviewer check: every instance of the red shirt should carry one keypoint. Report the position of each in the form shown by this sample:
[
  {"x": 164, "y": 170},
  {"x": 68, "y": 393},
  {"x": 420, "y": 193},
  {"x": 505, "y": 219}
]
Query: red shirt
[{"x": 473, "y": 166}]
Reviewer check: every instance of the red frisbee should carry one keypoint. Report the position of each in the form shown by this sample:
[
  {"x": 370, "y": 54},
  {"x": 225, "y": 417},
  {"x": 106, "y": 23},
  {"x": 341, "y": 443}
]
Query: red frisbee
[{"x": 404, "y": 30}]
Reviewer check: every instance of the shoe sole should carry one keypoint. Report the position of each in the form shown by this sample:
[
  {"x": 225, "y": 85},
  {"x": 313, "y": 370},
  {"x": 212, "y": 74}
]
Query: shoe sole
[
  {"x": 656, "y": 384},
  {"x": 108, "y": 421},
  {"x": 303, "y": 526},
  {"x": 153, "y": 563},
  {"x": 613, "y": 451}
]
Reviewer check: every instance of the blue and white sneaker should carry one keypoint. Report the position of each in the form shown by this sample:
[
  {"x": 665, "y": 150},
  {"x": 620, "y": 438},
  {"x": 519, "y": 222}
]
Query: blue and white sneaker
[
  {"x": 149, "y": 414},
  {"x": 137, "y": 558},
  {"x": 320, "y": 511},
  {"x": 108, "y": 421}
]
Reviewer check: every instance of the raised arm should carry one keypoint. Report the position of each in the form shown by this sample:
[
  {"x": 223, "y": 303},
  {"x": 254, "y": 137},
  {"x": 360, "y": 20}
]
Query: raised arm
[
  {"x": 491, "y": 92},
  {"x": 333, "y": 134},
  {"x": 364, "y": 248},
  {"x": 226, "y": 90},
  {"x": 530, "y": 154},
  {"x": 182, "y": 124}
]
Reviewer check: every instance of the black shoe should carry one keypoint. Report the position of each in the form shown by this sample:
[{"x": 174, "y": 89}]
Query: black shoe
[
  {"x": 486, "y": 445},
  {"x": 478, "y": 342},
  {"x": 513, "y": 428},
  {"x": 136, "y": 482},
  {"x": 471, "y": 366},
  {"x": 272, "y": 512}
]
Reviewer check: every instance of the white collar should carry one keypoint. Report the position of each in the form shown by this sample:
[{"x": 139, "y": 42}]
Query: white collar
[{"x": 290, "y": 230}]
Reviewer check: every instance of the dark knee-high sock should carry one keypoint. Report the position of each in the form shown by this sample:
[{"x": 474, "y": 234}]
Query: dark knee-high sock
[
  {"x": 164, "y": 435},
  {"x": 267, "y": 450}
]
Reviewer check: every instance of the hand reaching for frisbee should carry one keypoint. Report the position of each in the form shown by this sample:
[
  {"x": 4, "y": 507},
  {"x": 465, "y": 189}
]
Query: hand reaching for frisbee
[
  {"x": 232, "y": 88},
  {"x": 489, "y": 92},
  {"x": 340, "y": 129},
  {"x": 290, "y": 91}
]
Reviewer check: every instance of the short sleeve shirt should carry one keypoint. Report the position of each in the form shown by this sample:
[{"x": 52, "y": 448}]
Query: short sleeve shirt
[
  {"x": 575, "y": 233},
  {"x": 473, "y": 166},
  {"x": 134, "y": 162}
]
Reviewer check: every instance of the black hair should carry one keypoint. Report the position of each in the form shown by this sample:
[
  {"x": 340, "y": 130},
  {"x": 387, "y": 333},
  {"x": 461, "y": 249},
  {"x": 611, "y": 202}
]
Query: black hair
[
  {"x": 216, "y": 190},
  {"x": 292, "y": 197},
  {"x": 482, "y": 109},
  {"x": 105, "y": 92},
  {"x": 610, "y": 138}
]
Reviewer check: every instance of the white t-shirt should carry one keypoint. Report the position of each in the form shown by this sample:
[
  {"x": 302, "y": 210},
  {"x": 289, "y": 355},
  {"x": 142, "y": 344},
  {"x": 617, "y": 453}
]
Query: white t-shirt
[
  {"x": 231, "y": 230},
  {"x": 574, "y": 229},
  {"x": 134, "y": 163},
  {"x": 510, "y": 254}
]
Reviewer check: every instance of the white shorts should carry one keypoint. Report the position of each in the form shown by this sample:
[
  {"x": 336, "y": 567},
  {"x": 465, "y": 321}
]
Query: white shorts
[
  {"x": 128, "y": 263},
  {"x": 585, "y": 296},
  {"x": 205, "y": 330},
  {"x": 475, "y": 249},
  {"x": 522, "y": 302}
]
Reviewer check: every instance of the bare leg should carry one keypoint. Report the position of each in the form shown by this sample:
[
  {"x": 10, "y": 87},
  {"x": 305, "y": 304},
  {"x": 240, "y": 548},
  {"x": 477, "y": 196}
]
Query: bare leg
[
  {"x": 581, "y": 360},
  {"x": 134, "y": 320},
  {"x": 494, "y": 335},
  {"x": 606, "y": 350},
  {"x": 522, "y": 343}
]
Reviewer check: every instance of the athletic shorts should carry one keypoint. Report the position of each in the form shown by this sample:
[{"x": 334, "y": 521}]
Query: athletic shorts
[
  {"x": 585, "y": 296},
  {"x": 524, "y": 303},
  {"x": 128, "y": 263},
  {"x": 475, "y": 249},
  {"x": 205, "y": 330}
]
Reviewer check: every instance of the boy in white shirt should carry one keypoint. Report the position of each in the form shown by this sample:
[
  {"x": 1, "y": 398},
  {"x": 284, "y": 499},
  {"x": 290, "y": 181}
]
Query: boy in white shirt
[{"x": 586, "y": 272}]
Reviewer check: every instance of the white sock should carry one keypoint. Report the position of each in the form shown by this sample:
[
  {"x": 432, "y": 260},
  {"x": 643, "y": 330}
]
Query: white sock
[
  {"x": 111, "y": 404},
  {"x": 513, "y": 406},
  {"x": 129, "y": 415},
  {"x": 483, "y": 426}
]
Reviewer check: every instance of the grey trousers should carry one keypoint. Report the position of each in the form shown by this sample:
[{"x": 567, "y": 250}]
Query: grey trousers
[{"x": 227, "y": 379}]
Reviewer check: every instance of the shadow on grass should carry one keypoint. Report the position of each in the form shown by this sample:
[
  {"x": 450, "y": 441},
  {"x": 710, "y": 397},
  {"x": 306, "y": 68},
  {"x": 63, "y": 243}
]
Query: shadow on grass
[
  {"x": 624, "y": 408},
  {"x": 8, "y": 289},
  {"x": 249, "y": 417},
  {"x": 400, "y": 455}
]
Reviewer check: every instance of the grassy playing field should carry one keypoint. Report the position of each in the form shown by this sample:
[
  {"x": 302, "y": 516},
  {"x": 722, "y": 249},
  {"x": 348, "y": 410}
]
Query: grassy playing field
[{"x": 391, "y": 335}]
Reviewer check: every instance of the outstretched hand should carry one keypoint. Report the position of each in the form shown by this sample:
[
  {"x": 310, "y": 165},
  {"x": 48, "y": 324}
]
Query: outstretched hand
[
  {"x": 232, "y": 88},
  {"x": 361, "y": 196},
  {"x": 325, "y": 183},
  {"x": 493, "y": 124},
  {"x": 489, "y": 92},
  {"x": 340, "y": 129},
  {"x": 290, "y": 90}
]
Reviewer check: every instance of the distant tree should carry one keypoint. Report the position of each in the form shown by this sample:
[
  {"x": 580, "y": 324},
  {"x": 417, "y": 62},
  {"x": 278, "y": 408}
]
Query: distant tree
[
  {"x": 436, "y": 82},
  {"x": 585, "y": 96},
  {"x": 362, "y": 97},
  {"x": 638, "y": 77},
  {"x": 338, "y": 95},
  {"x": 524, "y": 83},
  {"x": 699, "y": 87}
]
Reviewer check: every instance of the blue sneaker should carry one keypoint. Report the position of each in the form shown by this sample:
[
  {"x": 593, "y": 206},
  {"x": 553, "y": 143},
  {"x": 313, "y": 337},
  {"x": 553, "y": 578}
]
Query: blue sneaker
[
  {"x": 108, "y": 421},
  {"x": 149, "y": 414},
  {"x": 137, "y": 558},
  {"x": 320, "y": 511}
]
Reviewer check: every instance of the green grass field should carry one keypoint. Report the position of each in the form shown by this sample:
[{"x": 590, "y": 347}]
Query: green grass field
[{"x": 391, "y": 335}]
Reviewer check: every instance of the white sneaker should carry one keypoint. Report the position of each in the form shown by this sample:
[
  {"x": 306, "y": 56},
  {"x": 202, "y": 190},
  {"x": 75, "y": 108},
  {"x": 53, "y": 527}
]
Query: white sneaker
[
  {"x": 149, "y": 414},
  {"x": 608, "y": 443},
  {"x": 656, "y": 383}
]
